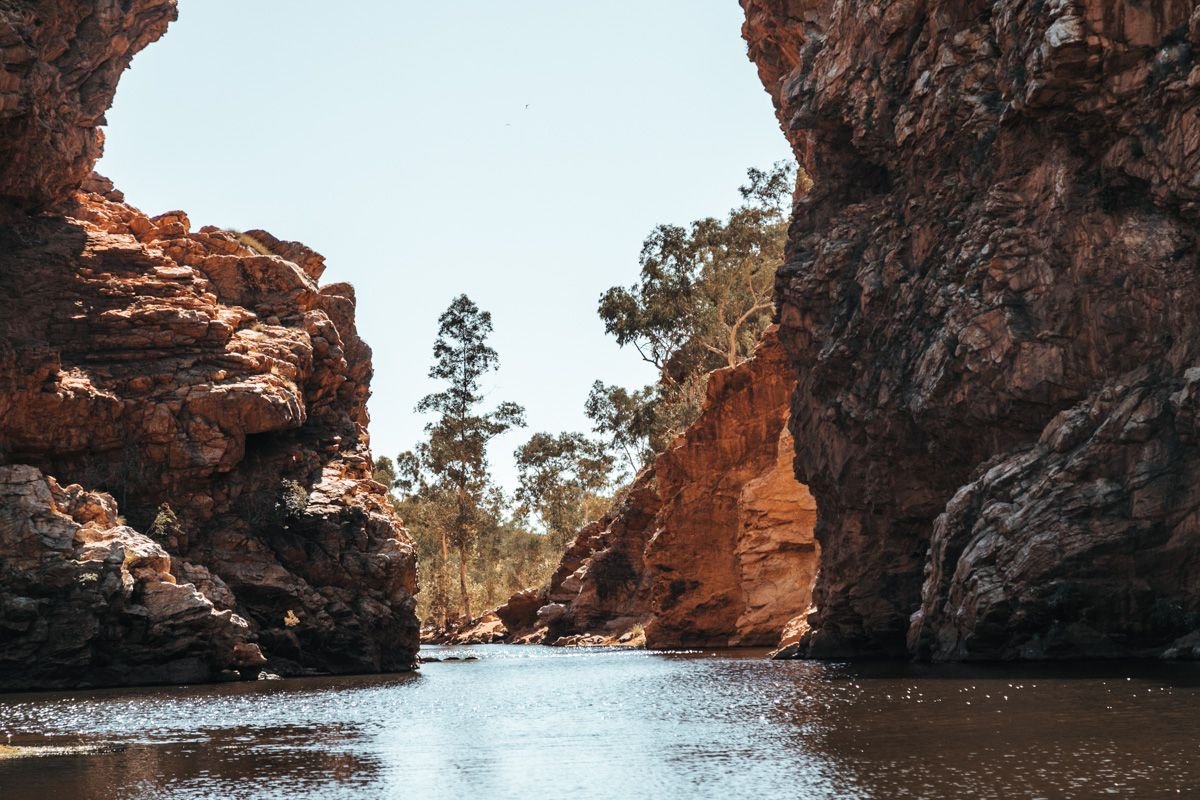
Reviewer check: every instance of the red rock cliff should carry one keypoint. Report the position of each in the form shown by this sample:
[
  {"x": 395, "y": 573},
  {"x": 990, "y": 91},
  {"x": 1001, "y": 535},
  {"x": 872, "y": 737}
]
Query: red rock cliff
[
  {"x": 712, "y": 546},
  {"x": 732, "y": 557},
  {"x": 204, "y": 370},
  {"x": 59, "y": 65},
  {"x": 989, "y": 301}
]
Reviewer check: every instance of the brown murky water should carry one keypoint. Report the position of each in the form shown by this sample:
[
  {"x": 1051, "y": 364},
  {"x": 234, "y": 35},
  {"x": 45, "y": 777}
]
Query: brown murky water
[{"x": 534, "y": 722}]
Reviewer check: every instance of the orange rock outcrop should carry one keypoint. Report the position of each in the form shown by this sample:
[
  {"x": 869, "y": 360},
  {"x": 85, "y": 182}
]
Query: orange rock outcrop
[
  {"x": 204, "y": 380},
  {"x": 711, "y": 546},
  {"x": 732, "y": 556}
]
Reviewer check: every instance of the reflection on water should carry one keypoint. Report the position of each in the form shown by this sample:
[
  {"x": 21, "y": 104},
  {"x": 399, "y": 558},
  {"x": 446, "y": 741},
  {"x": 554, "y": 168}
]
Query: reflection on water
[{"x": 531, "y": 722}]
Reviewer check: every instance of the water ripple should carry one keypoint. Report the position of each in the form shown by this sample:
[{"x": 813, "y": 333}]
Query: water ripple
[{"x": 528, "y": 722}]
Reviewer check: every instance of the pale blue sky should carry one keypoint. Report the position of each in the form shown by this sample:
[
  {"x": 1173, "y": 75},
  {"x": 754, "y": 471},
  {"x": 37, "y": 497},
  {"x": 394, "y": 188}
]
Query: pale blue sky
[{"x": 394, "y": 138}]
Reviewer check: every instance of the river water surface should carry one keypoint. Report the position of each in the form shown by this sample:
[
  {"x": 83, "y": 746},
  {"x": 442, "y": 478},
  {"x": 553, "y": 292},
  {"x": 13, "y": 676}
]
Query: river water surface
[{"x": 531, "y": 722}]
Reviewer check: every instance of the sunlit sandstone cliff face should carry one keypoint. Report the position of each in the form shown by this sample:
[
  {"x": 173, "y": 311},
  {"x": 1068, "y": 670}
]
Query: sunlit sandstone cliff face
[
  {"x": 990, "y": 303},
  {"x": 732, "y": 557},
  {"x": 59, "y": 66},
  {"x": 204, "y": 370},
  {"x": 713, "y": 544}
]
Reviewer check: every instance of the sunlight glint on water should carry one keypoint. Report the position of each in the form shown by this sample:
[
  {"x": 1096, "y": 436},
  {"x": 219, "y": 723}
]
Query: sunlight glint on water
[{"x": 536, "y": 722}]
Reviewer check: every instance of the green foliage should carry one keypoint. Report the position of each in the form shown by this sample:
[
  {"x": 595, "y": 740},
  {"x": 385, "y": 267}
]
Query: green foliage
[
  {"x": 447, "y": 476},
  {"x": 703, "y": 299},
  {"x": 166, "y": 523},
  {"x": 704, "y": 294},
  {"x": 510, "y": 558},
  {"x": 425, "y": 518},
  {"x": 562, "y": 480},
  {"x": 624, "y": 419},
  {"x": 456, "y": 451},
  {"x": 383, "y": 471},
  {"x": 506, "y": 558},
  {"x": 644, "y": 422},
  {"x": 292, "y": 500}
]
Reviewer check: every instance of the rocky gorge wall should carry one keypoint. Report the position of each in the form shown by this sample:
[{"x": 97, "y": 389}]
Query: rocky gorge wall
[
  {"x": 711, "y": 546},
  {"x": 989, "y": 303},
  {"x": 145, "y": 363}
]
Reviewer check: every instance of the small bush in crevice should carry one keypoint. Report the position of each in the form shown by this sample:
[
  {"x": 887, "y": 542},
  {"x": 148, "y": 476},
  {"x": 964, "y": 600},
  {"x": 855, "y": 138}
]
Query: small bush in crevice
[
  {"x": 249, "y": 241},
  {"x": 293, "y": 500},
  {"x": 166, "y": 523}
]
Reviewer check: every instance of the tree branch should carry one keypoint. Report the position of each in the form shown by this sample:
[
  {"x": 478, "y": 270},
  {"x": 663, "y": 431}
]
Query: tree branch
[{"x": 733, "y": 354}]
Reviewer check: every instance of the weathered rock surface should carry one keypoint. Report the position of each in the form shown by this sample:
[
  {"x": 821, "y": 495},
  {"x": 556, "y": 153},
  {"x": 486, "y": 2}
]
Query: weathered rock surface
[
  {"x": 204, "y": 370},
  {"x": 989, "y": 302},
  {"x": 59, "y": 65},
  {"x": 713, "y": 544},
  {"x": 732, "y": 558},
  {"x": 488, "y": 629},
  {"x": 166, "y": 366},
  {"x": 86, "y": 599}
]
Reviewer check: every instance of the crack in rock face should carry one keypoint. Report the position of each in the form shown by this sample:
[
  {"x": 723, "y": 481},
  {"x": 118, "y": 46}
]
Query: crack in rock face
[{"x": 989, "y": 303}]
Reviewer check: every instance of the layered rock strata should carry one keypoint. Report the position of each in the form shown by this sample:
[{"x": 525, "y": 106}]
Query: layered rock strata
[
  {"x": 989, "y": 303},
  {"x": 712, "y": 545},
  {"x": 87, "y": 599},
  {"x": 204, "y": 381}
]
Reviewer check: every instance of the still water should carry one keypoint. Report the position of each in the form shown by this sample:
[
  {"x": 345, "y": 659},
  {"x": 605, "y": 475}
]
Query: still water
[{"x": 531, "y": 722}]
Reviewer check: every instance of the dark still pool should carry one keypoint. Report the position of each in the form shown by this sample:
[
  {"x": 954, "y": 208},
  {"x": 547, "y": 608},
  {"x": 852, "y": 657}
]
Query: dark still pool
[{"x": 528, "y": 722}]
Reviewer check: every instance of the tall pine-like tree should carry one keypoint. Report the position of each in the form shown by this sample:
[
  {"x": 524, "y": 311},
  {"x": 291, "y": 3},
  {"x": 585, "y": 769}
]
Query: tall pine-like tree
[{"x": 450, "y": 468}]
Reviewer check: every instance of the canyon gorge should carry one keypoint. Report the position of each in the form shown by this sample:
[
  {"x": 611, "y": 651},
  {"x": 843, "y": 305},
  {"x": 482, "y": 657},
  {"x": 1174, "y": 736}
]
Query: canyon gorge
[
  {"x": 988, "y": 312},
  {"x": 972, "y": 434},
  {"x": 933, "y": 530},
  {"x": 186, "y": 476}
]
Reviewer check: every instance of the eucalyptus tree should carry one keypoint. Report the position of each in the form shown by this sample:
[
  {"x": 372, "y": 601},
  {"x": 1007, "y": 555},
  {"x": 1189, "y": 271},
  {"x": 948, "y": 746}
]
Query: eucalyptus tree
[
  {"x": 702, "y": 300},
  {"x": 562, "y": 482},
  {"x": 449, "y": 470}
]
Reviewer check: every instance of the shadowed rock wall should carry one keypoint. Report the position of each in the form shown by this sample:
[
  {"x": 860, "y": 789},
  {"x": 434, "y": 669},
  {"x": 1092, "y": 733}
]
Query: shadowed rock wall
[{"x": 989, "y": 303}]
